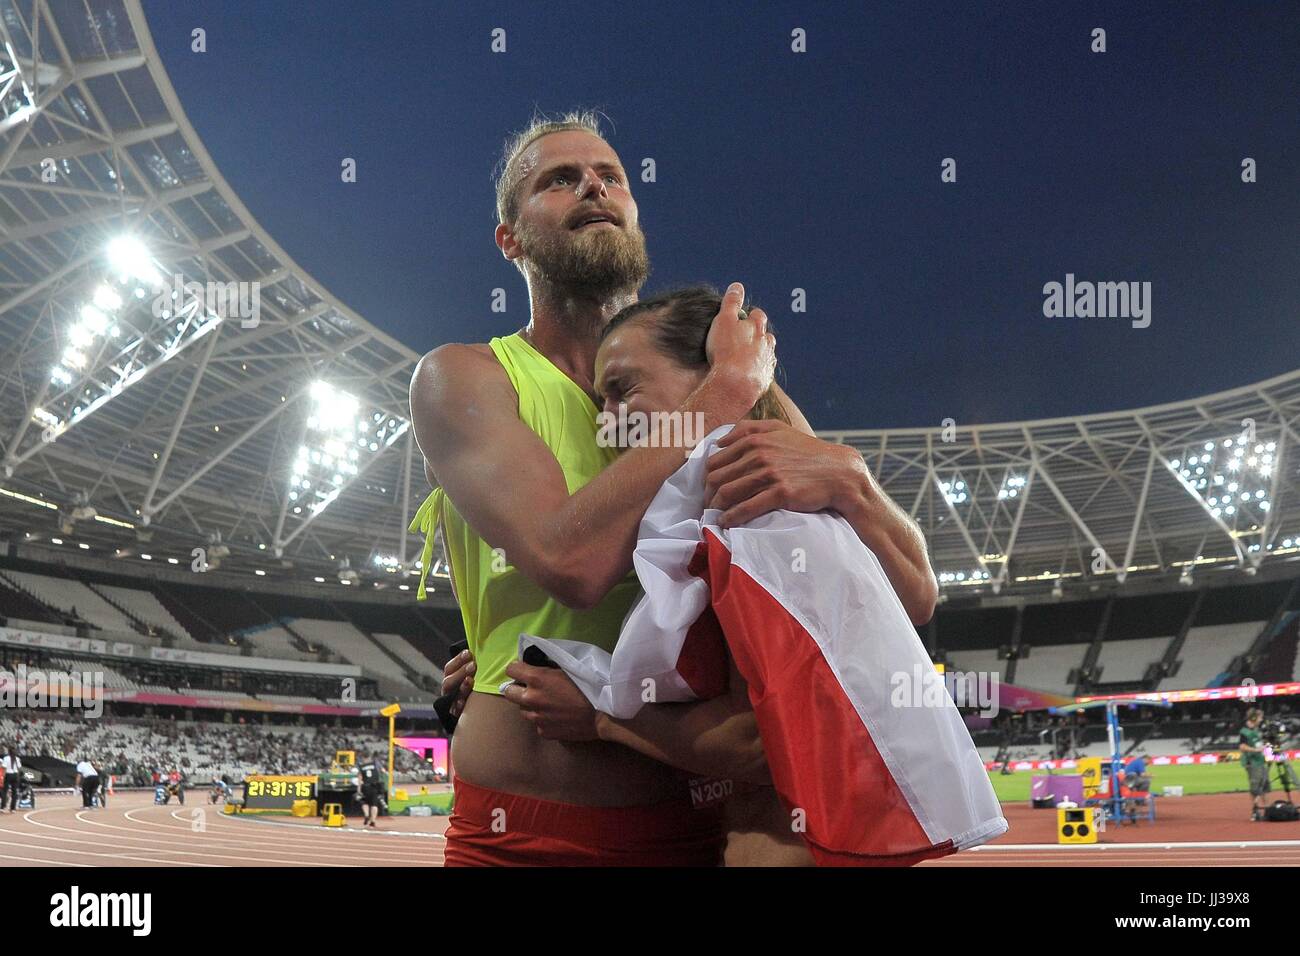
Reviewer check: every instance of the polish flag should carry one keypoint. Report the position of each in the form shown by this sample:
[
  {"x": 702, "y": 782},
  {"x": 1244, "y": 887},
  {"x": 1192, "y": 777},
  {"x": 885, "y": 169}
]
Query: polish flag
[{"x": 875, "y": 776}]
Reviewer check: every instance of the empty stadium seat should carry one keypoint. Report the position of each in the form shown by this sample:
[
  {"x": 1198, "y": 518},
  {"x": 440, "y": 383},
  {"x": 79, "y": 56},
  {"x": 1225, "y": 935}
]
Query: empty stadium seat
[
  {"x": 278, "y": 643},
  {"x": 1206, "y": 653},
  {"x": 1048, "y": 668},
  {"x": 1128, "y": 660},
  {"x": 411, "y": 657},
  {"x": 65, "y": 594},
  {"x": 143, "y": 606},
  {"x": 351, "y": 645}
]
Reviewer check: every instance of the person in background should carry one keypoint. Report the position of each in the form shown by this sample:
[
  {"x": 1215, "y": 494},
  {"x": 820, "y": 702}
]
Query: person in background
[
  {"x": 11, "y": 770},
  {"x": 87, "y": 782},
  {"x": 176, "y": 785},
  {"x": 372, "y": 777},
  {"x": 1135, "y": 774},
  {"x": 1252, "y": 760}
]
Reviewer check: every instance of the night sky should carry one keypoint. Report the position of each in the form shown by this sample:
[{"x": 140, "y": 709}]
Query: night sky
[{"x": 817, "y": 170}]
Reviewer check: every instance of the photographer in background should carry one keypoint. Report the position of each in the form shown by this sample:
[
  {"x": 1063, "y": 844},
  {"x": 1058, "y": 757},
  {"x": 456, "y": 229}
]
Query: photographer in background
[{"x": 1252, "y": 759}]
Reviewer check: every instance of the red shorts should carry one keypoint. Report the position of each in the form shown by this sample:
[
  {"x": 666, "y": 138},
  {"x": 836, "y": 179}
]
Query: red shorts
[{"x": 490, "y": 828}]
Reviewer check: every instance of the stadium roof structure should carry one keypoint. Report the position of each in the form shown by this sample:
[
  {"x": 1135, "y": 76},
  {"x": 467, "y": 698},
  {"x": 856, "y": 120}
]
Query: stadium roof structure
[
  {"x": 1208, "y": 482},
  {"x": 166, "y": 364},
  {"x": 170, "y": 375}
]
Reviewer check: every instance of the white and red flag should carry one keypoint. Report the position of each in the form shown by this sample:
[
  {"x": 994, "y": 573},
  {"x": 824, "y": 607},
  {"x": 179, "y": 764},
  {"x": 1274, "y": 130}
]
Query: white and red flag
[{"x": 819, "y": 635}]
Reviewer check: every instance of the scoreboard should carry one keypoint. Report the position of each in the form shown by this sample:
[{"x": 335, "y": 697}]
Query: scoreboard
[{"x": 277, "y": 792}]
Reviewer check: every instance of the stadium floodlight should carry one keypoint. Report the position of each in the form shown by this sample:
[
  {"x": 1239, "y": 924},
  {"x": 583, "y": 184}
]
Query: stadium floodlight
[
  {"x": 1230, "y": 477},
  {"x": 341, "y": 439},
  {"x": 963, "y": 577},
  {"x": 130, "y": 259},
  {"x": 955, "y": 491},
  {"x": 388, "y": 562},
  {"x": 1012, "y": 485},
  {"x": 113, "y": 341}
]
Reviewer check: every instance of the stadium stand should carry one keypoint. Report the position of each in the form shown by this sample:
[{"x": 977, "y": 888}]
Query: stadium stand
[
  {"x": 1127, "y": 662},
  {"x": 145, "y": 607},
  {"x": 1208, "y": 652},
  {"x": 985, "y": 660},
  {"x": 17, "y": 607},
  {"x": 72, "y": 598},
  {"x": 134, "y": 748},
  {"x": 275, "y": 641},
  {"x": 1048, "y": 667},
  {"x": 351, "y": 645},
  {"x": 401, "y": 648}
]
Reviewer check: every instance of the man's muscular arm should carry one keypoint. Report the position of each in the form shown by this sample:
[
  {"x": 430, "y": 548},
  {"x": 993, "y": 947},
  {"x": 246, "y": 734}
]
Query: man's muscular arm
[{"x": 510, "y": 488}]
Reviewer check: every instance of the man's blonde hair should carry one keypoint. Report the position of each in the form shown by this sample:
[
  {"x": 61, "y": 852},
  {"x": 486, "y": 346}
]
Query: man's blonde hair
[{"x": 508, "y": 176}]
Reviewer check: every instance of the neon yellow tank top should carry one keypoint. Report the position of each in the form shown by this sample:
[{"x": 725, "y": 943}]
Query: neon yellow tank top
[{"x": 497, "y": 602}]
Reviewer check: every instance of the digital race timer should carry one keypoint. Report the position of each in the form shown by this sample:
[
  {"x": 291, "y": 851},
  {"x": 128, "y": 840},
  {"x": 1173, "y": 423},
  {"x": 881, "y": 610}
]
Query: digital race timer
[{"x": 270, "y": 792}]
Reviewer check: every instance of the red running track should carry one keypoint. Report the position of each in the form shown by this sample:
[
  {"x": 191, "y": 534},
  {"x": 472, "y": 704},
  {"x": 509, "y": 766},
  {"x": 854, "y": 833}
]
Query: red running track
[
  {"x": 132, "y": 831},
  {"x": 1202, "y": 830},
  {"x": 1195, "y": 831}
]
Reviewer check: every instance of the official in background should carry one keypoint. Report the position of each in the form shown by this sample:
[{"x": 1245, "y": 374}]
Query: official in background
[
  {"x": 12, "y": 768},
  {"x": 1135, "y": 775},
  {"x": 372, "y": 784},
  {"x": 88, "y": 781}
]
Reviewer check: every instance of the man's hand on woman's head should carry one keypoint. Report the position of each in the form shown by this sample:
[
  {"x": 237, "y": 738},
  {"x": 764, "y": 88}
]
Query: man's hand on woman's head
[
  {"x": 768, "y": 465},
  {"x": 741, "y": 349},
  {"x": 551, "y": 702},
  {"x": 458, "y": 680}
]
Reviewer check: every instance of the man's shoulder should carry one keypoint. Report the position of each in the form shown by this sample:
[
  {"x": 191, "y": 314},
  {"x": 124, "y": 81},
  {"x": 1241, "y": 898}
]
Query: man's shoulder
[
  {"x": 455, "y": 356},
  {"x": 455, "y": 377},
  {"x": 456, "y": 368}
]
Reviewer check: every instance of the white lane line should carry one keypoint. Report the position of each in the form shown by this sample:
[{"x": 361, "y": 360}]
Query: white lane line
[
  {"x": 1239, "y": 844},
  {"x": 83, "y": 834},
  {"x": 164, "y": 844},
  {"x": 30, "y": 859},
  {"x": 354, "y": 848},
  {"x": 329, "y": 830}
]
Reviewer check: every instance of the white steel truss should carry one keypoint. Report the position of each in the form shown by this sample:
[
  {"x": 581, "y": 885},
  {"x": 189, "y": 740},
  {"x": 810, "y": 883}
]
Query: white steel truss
[{"x": 94, "y": 143}]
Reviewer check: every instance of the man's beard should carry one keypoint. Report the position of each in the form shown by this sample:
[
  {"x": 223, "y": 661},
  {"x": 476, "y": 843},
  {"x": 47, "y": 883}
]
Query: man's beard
[{"x": 597, "y": 264}]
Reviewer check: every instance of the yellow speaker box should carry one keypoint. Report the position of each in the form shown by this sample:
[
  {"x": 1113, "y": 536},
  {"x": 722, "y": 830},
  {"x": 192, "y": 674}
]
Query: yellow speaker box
[
  {"x": 1076, "y": 825},
  {"x": 333, "y": 815}
]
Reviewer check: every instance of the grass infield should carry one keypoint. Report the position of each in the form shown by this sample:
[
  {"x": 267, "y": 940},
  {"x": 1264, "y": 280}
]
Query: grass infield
[{"x": 1193, "y": 778}]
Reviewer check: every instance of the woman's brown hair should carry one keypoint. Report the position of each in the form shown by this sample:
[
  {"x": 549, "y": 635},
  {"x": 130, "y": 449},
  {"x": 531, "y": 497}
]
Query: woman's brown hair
[{"x": 678, "y": 322}]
